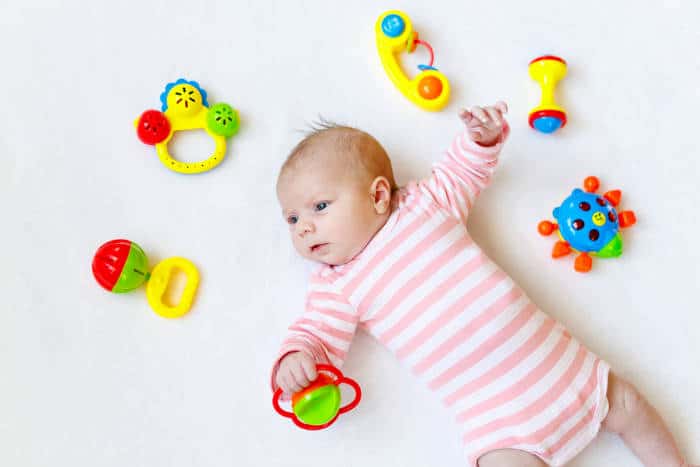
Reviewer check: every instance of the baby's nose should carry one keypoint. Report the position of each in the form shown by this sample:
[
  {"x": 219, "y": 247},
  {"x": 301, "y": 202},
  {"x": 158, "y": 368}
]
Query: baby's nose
[{"x": 306, "y": 227}]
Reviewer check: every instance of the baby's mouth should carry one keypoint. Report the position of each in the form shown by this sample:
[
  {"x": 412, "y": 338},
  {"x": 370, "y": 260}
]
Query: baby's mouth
[{"x": 319, "y": 248}]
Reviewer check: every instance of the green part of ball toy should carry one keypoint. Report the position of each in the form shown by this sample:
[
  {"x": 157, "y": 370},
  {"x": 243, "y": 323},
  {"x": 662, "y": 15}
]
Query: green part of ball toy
[
  {"x": 319, "y": 406},
  {"x": 222, "y": 119},
  {"x": 135, "y": 271}
]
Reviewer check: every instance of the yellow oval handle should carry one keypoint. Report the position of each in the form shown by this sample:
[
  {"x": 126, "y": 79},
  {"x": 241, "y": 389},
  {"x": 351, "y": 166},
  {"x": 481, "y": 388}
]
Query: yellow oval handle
[
  {"x": 158, "y": 284},
  {"x": 197, "y": 166}
]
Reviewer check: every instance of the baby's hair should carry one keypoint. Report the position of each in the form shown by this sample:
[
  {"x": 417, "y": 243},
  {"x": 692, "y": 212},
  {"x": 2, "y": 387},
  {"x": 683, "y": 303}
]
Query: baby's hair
[
  {"x": 366, "y": 151},
  {"x": 321, "y": 124},
  {"x": 314, "y": 128}
]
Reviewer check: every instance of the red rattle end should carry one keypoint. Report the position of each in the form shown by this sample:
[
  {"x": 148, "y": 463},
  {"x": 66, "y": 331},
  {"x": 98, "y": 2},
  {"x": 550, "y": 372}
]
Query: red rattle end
[
  {"x": 153, "y": 127},
  {"x": 120, "y": 266}
]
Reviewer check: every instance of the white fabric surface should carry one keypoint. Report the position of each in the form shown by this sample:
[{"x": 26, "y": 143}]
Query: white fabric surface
[{"x": 90, "y": 378}]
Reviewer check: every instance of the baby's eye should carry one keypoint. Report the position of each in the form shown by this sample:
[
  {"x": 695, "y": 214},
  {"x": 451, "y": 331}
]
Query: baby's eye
[
  {"x": 322, "y": 205},
  {"x": 292, "y": 220}
]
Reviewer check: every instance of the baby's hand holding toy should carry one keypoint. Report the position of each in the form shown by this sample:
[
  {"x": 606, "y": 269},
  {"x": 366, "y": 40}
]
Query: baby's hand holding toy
[
  {"x": 319, "y": 404},
  {"x": 297, "y": 371},
  {"x": 485, "y": 124}
]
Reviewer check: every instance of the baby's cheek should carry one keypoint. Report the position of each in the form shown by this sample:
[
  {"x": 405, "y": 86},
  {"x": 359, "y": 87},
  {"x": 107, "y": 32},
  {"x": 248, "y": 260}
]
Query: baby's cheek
[{"x": 295, "y": 243}]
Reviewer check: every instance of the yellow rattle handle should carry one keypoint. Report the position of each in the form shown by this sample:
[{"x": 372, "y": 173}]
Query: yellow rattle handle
[
  {"x": 547, "y": 71},
  {"x": 429, "y": 89},
  {"x": 158, "y": 284},
  {"x": 197, "y": 166}
]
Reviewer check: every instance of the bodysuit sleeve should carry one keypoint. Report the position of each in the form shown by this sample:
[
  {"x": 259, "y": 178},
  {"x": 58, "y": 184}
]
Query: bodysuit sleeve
[
  {"x": 325, "y": 329},
  {"x": 464, "y": 170}
]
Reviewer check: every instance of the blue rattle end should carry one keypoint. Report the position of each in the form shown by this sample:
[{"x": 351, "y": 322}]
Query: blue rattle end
[
  {"x": 393, "y": 25},
  {"x": 547, "y": 124}
]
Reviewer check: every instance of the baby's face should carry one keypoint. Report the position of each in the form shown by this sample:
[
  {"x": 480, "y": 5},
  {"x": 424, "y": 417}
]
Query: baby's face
[{"x": 329, "y": 211}]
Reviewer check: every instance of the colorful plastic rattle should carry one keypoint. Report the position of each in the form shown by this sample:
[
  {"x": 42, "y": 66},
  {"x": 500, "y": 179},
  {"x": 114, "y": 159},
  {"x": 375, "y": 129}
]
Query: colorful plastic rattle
[
  {"x": 430, "y": 88},
  {"x": 589, "y": 224},
  {"x": 184, "y": 107},
  {"x": 547, "y": 117},
  {"x": 121, "y": 266},
  {"x": 318, "y": 406}
]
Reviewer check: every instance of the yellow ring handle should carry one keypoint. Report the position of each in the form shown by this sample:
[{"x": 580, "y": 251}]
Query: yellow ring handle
[
  {"x": 193, "y": 167},
  {"x": 158, "y": 284}
]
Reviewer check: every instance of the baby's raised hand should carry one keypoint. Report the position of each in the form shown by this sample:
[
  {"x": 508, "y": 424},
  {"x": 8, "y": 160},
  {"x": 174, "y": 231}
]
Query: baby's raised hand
[
  {"x": 485, "y": 124},
  {"x": 296, "y": 371}
]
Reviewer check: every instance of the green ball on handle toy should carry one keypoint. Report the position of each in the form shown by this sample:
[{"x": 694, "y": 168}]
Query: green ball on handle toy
[{"x": 121, "y": 266}]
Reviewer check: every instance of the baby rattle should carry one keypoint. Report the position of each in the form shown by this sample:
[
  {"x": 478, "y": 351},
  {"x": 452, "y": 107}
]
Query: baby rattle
[
  {"x": 547, "y": 117},
  {"x": 318, "y": 406},
  {"x": 429, "y": 89},
  {"x": 121, "y": 266},
  {"x": 588, "y": 223},
  {"x": 184, "y": 107}
]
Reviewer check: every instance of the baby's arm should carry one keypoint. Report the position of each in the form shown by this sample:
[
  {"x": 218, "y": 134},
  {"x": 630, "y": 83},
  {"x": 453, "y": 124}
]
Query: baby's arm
[
  {"x": 467, "y": 166},
  {"x": 321, "y": 335}
]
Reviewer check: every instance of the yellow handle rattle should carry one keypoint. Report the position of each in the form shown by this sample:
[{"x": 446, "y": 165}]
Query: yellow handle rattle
[
  {"x": 121, "y": 266},
  {"x": 184, "y": 107},
  {"x": 429, "y": 89}
]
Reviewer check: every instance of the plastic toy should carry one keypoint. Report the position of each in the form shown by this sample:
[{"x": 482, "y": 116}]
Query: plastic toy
[
  {"x": 429, "y": 89},
  {"x": 184, "y": 107},
  {"x": 589, "y": 224},
  {"x": 547, "y": 70},
  {"x": 318, "y": 406},
  {"x": 121, "y": 266}
]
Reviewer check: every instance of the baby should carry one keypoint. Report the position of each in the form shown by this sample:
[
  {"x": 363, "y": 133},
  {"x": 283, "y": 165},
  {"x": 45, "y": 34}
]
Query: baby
[{"x": 400, "y": 262}]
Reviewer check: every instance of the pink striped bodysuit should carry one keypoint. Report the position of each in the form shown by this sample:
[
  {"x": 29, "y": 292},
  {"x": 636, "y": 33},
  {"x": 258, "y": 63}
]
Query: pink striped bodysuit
[{"x": 513, "y": 376}]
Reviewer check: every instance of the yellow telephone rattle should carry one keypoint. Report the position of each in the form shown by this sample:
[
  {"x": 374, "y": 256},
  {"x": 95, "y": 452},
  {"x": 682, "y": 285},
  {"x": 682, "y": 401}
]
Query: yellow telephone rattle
[
  {"x": 184, "y": 107},
  {"x": 429, "y": 89}
]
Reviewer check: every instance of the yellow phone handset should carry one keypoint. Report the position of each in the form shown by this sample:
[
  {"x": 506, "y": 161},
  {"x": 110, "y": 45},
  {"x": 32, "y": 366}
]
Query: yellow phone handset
[{"x": 429, "y": 89}]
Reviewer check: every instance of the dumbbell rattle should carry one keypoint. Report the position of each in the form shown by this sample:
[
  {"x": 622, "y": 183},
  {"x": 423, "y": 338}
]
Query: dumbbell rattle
[{"x": 547, "y": 70}]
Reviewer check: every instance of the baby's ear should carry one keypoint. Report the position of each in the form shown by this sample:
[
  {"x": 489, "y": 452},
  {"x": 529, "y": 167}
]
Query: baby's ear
[{"x": 381, "y": 195}]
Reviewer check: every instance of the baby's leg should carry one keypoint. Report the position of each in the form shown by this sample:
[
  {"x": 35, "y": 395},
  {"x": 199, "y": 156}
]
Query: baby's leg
[
  {"x": 640, "y": 426},
  {"x": 510, "y": 458}
]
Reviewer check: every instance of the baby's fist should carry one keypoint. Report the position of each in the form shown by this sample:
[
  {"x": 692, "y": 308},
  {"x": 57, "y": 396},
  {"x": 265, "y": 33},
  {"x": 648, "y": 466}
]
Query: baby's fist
[
  {"x": 296, "y": 371},
  {"x": 485, "y": 124}
]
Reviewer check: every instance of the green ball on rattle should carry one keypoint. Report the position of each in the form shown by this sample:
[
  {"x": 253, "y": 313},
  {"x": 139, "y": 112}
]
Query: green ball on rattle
[{"x": 318, "y": 406}]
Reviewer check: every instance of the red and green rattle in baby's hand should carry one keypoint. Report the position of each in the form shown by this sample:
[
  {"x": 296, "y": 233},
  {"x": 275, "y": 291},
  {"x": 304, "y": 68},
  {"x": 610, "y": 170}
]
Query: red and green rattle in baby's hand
[{"x": 318, "y": 406}]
